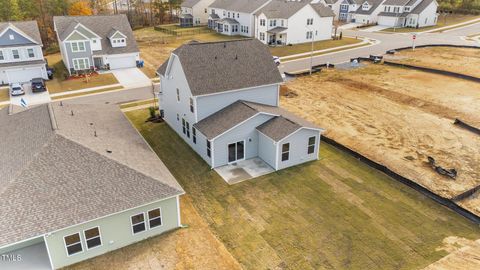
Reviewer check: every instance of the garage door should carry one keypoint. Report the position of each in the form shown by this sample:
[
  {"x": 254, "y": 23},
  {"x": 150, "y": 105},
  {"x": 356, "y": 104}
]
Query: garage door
[
  {"x": 122, "y": 62},
  {"x": 23, "y": 75}
]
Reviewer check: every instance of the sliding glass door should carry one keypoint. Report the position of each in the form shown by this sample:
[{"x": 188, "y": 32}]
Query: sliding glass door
[{"x": 236, "y": 151}]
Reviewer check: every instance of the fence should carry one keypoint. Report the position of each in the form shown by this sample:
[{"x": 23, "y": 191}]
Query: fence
[{"x": 175, "y": 30}]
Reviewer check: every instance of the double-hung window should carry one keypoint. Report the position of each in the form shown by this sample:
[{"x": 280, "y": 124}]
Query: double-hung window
[
  {"x": 194, "y": 135},
  {"x": 80, "y": 63},
  {"x": 188, "y": 129},
  {"x": 178, "y": 95},
  {"x": 310, "y": 21},
  {"x": 1, "y": 56},
  {"x": 154, "y": 218},
  {"x": 184, "y": 126},
  {"x": 311, "y": 145},
  {"x": 209, "y": 151},
  {"x": 15, "y": 54},
  {"x": 73, "y": 244},
  {"x": 31, "y": 53},
  {"x": 191, "y": 105},
  {"x": 78, "y": 46},
  {"x": 92, "y": 237},
  {"x": 285, "y": 151},
  {"x": 138, "y": 223}
]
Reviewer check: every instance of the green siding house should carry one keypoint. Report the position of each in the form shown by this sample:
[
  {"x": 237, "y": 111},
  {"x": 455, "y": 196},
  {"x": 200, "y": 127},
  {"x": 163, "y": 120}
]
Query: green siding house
[{"x": 78, "y": 181}]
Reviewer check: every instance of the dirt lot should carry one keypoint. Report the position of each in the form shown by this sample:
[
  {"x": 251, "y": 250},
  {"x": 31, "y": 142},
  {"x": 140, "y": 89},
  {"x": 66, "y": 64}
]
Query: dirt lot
[
  {"x": 192, "y": 248},
  {"x": 335, "y": 213},
  {"x": 461, "y": 60},
  {"x": 398, "y": 121}
]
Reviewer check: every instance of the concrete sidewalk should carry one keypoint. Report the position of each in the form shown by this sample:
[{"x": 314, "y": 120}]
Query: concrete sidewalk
[{"x": 307, "y": 54}]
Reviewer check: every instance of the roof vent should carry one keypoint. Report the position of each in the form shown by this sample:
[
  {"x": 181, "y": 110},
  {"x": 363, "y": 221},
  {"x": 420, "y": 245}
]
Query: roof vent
[
  {"x": 236, "y": 57},
  {"x": 215, "y": 57},
  {"x": 109, "y": 151}
]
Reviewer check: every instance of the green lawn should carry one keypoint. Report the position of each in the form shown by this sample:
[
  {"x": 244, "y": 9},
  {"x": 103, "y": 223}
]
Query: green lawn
[
  {"x": 443, "y": 21},
  {"x": 333, "y": 213},
  {"x": 307, "y": 47},
  {"x": 59, "y": 84}
]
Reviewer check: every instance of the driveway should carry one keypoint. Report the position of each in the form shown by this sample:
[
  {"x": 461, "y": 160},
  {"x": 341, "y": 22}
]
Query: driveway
[
  {"x": 131, "y": 77},
  {"x": 30, "y": 98}
]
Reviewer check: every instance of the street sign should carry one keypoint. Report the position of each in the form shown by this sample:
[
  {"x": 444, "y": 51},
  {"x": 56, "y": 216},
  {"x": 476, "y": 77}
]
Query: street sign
[{"x": 414, "y": 36}]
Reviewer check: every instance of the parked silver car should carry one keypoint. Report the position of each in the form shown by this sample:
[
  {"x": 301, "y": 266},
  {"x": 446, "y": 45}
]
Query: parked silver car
[{"x": 16, "y": 89}]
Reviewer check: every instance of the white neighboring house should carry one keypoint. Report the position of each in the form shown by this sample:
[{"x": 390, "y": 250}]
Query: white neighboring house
[
  {"x": 409, "y": 13},
  {"x": 96, "y": 42},
  {"x": 21, "y": 57},
  {"x": 194, "y": 12},
  {"x": 222, "y": 99},
  {"x": 367, "y": 12},
  {"x": 283, "y": 22},
  {"x": 233, "y": 17},
  {"x": 397, "y": 13}
]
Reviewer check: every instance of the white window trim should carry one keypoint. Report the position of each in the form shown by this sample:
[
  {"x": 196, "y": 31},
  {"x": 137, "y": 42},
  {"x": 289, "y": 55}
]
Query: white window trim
[
  {"x": 244, "y": 150},
  {"x": 99, "y": 236},
  {"x": 144, "y": 221},
  {"x": 283, "y": 152},
  {"x": 3, "y": 55},
  {"x": 161, "y": 218},
  {"x": 77, "y": 59},
  {"x": 33, "y": 51},
  {"x": 314, "y": 145},
  {"x": 66, "y": 246},
  {"x": 78, "y": 46},
  {"x": 18, "y": 53}
]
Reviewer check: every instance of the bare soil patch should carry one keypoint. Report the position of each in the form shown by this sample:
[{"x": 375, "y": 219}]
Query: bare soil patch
[
  {"x": 460, "y": 60},
  {"x": 194, "y": 247},
  {"x": 398, "y": 117}
]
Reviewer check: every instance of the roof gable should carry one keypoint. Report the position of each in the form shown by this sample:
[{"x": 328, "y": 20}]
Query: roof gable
[
  {"x": 23, "y": 32},
  {"x": 75, "y": 35},
  {"x": 245, "y": 6}
]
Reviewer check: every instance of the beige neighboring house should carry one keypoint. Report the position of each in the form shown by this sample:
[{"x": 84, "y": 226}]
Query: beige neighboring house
[{"x": 194, "y": 12}]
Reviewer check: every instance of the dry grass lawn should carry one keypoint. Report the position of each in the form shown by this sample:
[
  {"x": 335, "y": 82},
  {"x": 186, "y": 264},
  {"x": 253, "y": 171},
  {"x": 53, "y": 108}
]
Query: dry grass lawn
[
  {"x": 4, "y": 95},
  {"x": 307, "y": 47},
  {"x": 335, "y": 213},
  {"x": 398, "y": 121},
  {"x": 460, "y": 60},
  {"x": 194, "y": 247},
  {"x": 59, "y": 84},
  {"x": 155, "y": 46}
]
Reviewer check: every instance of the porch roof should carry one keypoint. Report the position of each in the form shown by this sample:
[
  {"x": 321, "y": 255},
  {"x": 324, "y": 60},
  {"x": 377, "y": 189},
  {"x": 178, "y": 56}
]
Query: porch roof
[
  {"x": 228, "y": 21},
  {"x": 185, "y": 16},
  {"x": 214, "y": 16},
  {"x": 277, "y": 30}
]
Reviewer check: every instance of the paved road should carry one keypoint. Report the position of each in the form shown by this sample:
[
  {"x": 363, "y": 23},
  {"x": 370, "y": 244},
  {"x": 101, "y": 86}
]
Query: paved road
[
  {"x": 116, "y": 97},
  {"x": 386, "y": 42}
]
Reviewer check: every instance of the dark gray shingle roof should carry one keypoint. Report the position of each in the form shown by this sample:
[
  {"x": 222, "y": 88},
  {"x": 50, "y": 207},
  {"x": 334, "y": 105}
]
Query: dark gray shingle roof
[
  {"x": 58, "y": 176},
  {"x": 239, "y": 111},
  {"x": 101, "y": 25},
  {"x": 278, "y": 128},
  {"x": 189, "y": 3},
  {"x": 216, "y": 67},
  {"x": 421, "y": 6},
  {"x": 322, "y": 10},
  {"x": 280, "y": 9},
  {"x": 374, "y": 4},
  {"x": 395, "y": 2},
  {"x": 30, "y": 28},
  {"x": 246, "y": 6}
]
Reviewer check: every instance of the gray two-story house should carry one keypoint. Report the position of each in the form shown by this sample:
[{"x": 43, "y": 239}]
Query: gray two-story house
[
  {"x": 21, "y": 57},
  {"x": 96, "y": 42},
  {"x": 222, "y": 98}
]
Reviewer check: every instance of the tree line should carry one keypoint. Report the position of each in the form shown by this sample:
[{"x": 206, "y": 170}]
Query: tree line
[
  {"x": 461, "y": 6},
  {"x": 140, "y": 12}
]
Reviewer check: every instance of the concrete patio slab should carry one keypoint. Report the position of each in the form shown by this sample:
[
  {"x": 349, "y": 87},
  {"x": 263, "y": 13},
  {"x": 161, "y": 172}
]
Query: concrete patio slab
[{"x": 243, "y": 170}]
